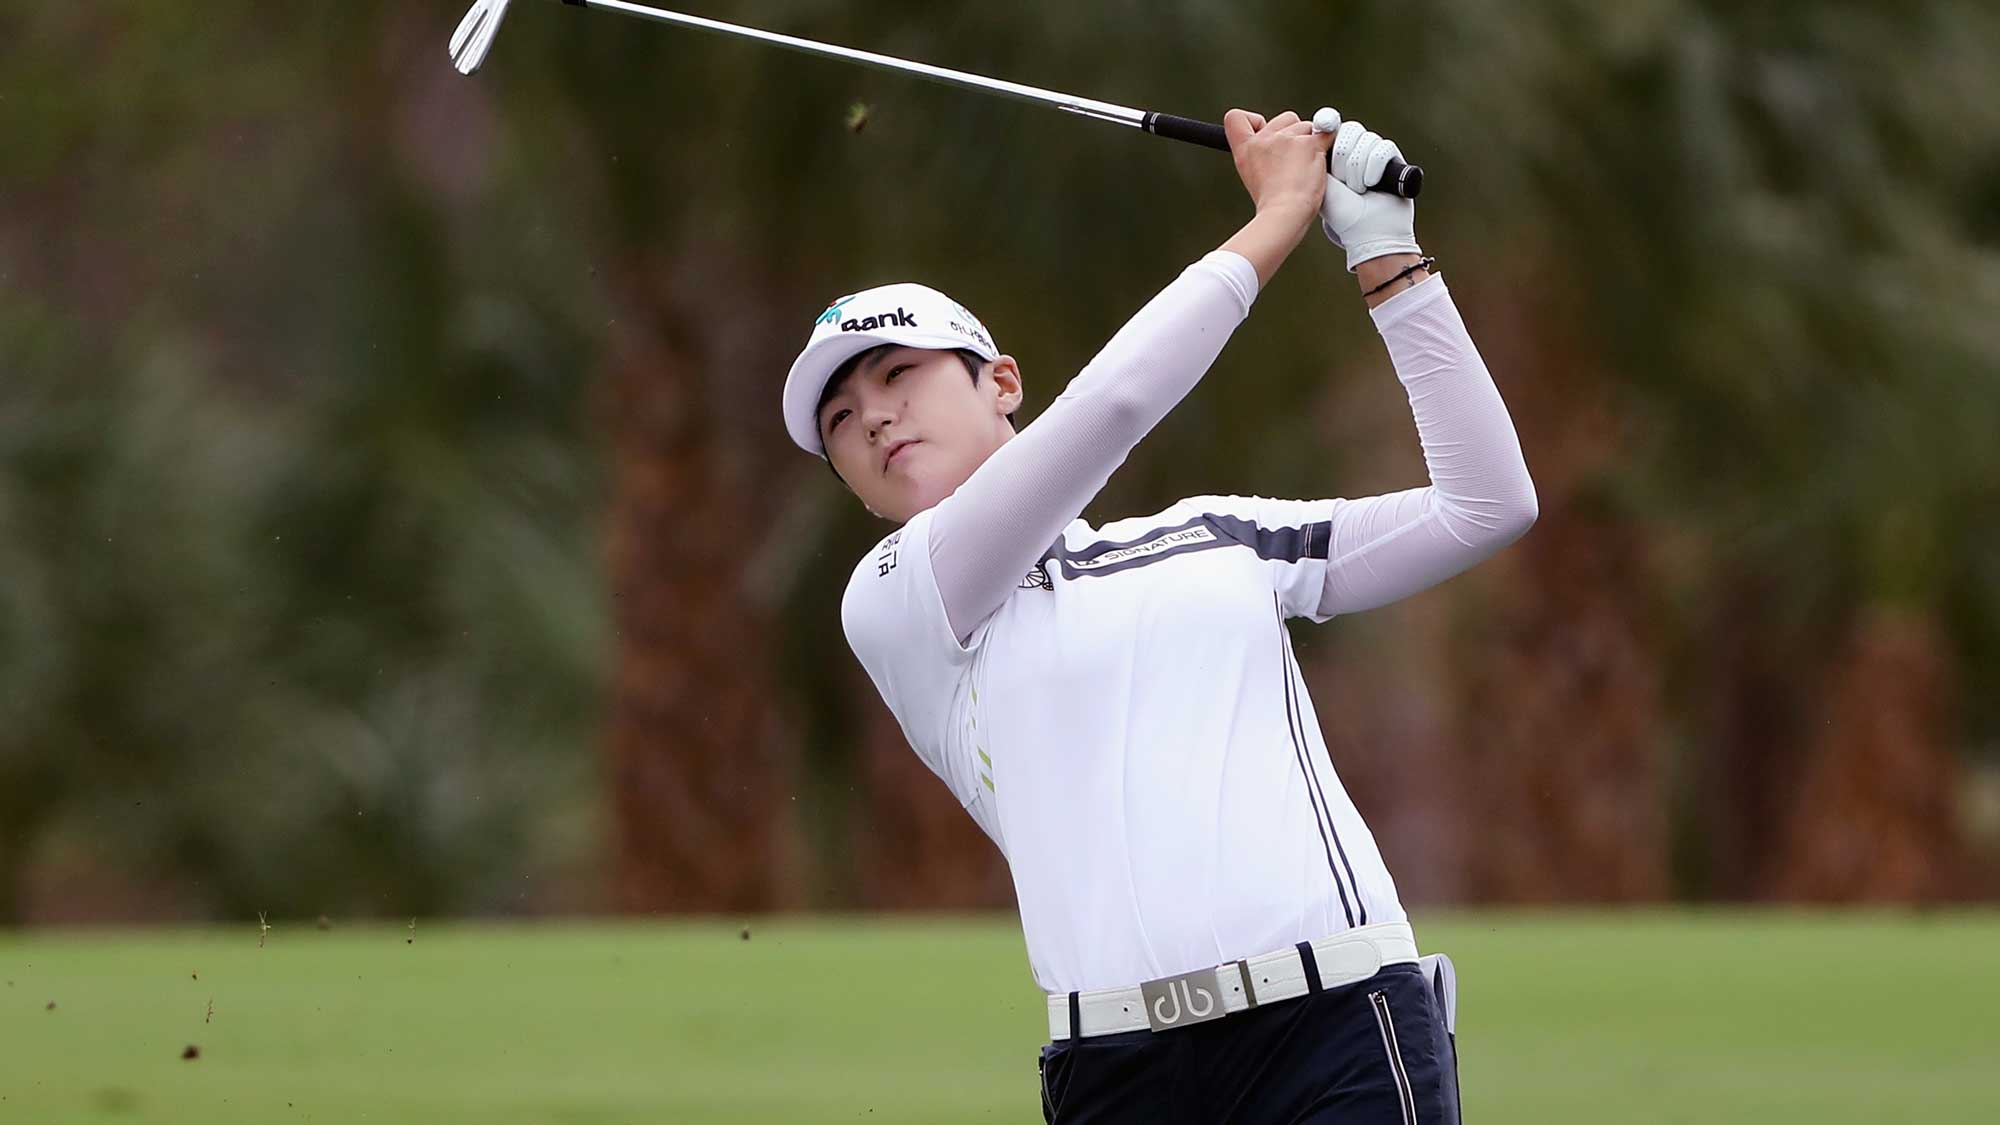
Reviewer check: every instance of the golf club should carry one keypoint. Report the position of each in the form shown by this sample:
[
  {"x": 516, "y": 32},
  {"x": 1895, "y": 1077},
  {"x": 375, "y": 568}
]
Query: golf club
[{"x": 473, "y": 40}]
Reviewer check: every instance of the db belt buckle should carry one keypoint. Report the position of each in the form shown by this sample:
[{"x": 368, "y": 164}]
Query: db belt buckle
[{"x": 1212, "y": 993}]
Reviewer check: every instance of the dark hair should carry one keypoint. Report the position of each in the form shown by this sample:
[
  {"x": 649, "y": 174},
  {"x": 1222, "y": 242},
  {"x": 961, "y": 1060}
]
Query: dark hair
[{"x": 973, "y": 361}]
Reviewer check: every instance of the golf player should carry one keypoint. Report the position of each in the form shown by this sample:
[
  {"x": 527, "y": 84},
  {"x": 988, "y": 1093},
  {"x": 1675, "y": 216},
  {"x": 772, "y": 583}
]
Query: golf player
[{"x": 1119, "y": 707}]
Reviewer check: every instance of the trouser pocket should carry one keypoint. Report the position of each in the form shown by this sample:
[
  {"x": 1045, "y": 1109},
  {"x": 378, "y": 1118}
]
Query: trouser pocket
[
  {"x": 1392, "y": 1048},
  {"x": 1044, "y": 1064},
  {"x": 1443, "y": 978},
  {"x": 1122, "y": 1078}
]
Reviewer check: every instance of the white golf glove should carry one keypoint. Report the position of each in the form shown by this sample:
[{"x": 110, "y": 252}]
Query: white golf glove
[{"x": 1367, "y": 224}]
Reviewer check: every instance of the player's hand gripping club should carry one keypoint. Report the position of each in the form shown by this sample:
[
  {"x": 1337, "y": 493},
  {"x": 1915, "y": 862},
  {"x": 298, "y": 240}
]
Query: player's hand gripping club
[
  {"x": 1280, "y": 161},
  {"x": 1282, "y": 164},
  {"x": 1328, "y": 165},
  {"x": 1367, "y": 224}
]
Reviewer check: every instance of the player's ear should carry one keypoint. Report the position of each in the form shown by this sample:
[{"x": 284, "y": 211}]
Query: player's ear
[{"x": 1006, "y": 375}]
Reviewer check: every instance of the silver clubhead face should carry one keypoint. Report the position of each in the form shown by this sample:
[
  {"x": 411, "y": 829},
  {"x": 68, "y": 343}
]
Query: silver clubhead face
[{"x": 474, "y": 37}]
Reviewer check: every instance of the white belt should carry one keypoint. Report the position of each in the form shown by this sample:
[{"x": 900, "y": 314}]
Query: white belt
[{"x": 1211, "y": 993}]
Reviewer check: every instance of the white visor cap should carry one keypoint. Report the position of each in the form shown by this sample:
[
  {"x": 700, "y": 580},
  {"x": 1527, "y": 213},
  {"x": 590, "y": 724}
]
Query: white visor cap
[{"x": 906, "y": 313}]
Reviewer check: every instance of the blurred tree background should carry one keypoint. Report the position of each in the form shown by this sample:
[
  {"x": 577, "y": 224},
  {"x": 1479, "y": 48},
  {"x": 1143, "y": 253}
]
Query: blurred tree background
[{"x": 395, "y": 516}]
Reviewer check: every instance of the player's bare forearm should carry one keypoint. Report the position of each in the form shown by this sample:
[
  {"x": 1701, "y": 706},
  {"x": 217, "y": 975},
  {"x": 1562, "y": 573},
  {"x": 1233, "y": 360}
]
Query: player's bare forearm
[
  {"x": 1376, "y": 271},
  {"x": 1271, "y": 236}
]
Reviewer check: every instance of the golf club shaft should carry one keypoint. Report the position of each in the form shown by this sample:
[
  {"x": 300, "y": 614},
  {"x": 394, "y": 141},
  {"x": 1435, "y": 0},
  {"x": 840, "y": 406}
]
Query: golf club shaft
[{"x": 1403, "y": 179}]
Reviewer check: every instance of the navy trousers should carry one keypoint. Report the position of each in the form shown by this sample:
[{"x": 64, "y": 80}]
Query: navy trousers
[{"x": 1372, "y": 1053}]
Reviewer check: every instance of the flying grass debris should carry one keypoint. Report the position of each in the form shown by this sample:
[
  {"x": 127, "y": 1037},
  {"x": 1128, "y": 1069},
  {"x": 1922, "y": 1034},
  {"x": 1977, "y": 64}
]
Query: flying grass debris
[
  {"x": 263, "y": 929},
  {"x": 857, "y": 117}
]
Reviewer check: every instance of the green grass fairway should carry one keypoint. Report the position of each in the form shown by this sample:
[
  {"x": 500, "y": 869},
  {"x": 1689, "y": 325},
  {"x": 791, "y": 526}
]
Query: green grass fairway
[{"x": 1647, "y": 1017}]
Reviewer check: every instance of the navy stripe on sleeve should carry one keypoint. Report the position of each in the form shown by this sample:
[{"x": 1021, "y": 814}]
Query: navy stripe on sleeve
[{"x": 1199, "y": 533}]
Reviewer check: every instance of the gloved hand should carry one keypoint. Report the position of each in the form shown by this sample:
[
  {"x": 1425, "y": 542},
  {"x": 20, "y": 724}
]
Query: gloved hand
[{"x": 1367, "y": 224}]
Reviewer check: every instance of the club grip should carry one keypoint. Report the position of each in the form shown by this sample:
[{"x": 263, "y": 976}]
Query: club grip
[
  {"x": 1403, "y": 179},
  {"x": 1187, "y": 129}
]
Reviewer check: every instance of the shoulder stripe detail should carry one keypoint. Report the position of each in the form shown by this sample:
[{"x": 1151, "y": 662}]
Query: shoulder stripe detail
[
  {"x": 1285, "y": 544},
  {"x": 1200, "y": 533}
]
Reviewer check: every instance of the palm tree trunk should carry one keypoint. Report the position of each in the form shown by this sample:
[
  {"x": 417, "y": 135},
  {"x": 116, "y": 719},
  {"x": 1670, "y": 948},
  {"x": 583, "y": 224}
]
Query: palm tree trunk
[
  {"x": 1871, "y": 817},
  {"x": 696, "y": 778},
  {"x": 1560, "y": 722}
]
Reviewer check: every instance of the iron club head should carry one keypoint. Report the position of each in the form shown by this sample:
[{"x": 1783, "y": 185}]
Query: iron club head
[{"x": 474, "y": 37}]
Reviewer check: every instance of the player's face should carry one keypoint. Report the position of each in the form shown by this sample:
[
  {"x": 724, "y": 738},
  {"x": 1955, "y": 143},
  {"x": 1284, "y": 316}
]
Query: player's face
[{"x": 909, "y": 425}]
